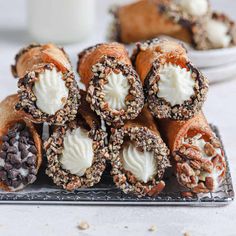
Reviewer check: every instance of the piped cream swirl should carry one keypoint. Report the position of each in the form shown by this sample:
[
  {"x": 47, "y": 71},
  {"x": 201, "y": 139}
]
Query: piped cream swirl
[
  {"x": 141, "y": 164},
  {"x": 116, "y": 89},
  {"x": 194, "y": 7},
  {"x": 50, "y": 91},
  {"x": 77, "y": 155},
  {"x": 217, "y": 33},
  {"x": 176, "y": 84}
]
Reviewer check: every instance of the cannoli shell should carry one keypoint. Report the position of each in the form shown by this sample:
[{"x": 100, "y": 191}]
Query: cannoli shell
[
  {"x": 174, "y": 131},
  {"x": 33, "y": 57},
  {"x": 164, "y": 51},
  {"x": 9, "y": 116},
  {"x": 92, "y": 56},
  {"x": 143, "y": 20}
]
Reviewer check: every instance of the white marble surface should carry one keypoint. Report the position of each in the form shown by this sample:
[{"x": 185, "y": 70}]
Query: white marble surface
[{"x": 63, "y": 220}]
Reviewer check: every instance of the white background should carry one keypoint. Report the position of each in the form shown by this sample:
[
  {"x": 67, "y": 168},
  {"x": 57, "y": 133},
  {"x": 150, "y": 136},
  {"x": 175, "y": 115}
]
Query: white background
[{"x": 63, "y": 220}]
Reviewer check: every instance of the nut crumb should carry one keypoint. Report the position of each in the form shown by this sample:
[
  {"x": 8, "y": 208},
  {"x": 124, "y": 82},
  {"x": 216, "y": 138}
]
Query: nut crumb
[
  {"x": 187, "y": 234},
  {"x": 126, "y": 227},
  {"x": 153, "y": 228},
  {"x": 83, "y": 225}
]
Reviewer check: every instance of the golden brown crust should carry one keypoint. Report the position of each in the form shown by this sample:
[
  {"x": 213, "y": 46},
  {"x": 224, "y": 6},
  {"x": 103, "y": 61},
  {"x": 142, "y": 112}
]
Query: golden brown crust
[
  {"x": 33, "y": 56},
  {"x": 174, "y": 131},
  {"x": 93, "y": 55},
  {"x": 9, "y": 116},
  {"x": 164, "y": 51}
]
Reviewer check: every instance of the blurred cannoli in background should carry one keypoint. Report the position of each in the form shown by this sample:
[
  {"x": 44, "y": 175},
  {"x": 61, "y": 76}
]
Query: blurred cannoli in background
[
  {"x": 47, "y": 91},
  {"x": 191, "y": 21},
  {"x": 174, "y": 88},
  {"x": 20, "y": 147},
  {"x": 114, "y": 90}
]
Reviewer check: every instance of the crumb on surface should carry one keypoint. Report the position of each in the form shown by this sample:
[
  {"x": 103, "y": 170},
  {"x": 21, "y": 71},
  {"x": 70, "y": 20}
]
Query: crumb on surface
[
  {"x": 186, "y": 234},
  {"x": 83, "y": 225},
  {"x": 153, "y": 228}
]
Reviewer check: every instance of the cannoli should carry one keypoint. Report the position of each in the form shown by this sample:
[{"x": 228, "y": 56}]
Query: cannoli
[
  {"x": 147, "y": 19},
  {"x": 20, "y": 148},
  {"x": 114, "y": 89},
  {"x": 47, "y": 91},
  {"x": 77, "y": 153},
  {"x": 197, "y": 153},
  {"x": 139, "y": 157},
  {"x": 174, "y": 88},
  {"x": 218, "y": 31}
]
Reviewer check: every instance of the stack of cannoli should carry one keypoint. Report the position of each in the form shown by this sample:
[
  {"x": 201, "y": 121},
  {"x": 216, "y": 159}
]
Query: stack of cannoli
[
  {"x": 175, "y": 91},
  {"x": 188, "y": 20},
  {"x": 142, "y": 114}
]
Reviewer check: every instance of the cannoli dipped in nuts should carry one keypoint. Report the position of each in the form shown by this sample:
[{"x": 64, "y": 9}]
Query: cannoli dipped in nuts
[
  {"x": 77, "y": 152},
  {"x": 173, "y": 86},
  {"x": 197, "y": 153},
  {"x": 47, "y": 91},
  {"x": 114, "y": 89},
  {"x": 139, "y": 157},
  {"x": 20, "y": 148}
]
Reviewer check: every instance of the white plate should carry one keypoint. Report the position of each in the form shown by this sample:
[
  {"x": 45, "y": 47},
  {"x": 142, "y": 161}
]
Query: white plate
[{"x": 220, "y": 73}]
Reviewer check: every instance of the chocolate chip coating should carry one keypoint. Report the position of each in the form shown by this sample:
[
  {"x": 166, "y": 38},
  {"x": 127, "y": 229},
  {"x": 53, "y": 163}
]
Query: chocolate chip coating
[{"x": 18, "y": 157}]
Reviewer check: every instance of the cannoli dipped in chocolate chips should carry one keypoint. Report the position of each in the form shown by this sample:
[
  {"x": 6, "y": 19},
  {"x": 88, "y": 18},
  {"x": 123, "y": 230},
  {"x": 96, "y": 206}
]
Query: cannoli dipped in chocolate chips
[
  {"x": 20, "y": 147},
  {"x": 174, "y": 87},
  {"x": 47, "y": 89},
  {"x": 197, "y": 153},
  {"x": 77, "y": 152},
  {"x": 139, "y": 157},
  {"x": 114, "y": 89}
]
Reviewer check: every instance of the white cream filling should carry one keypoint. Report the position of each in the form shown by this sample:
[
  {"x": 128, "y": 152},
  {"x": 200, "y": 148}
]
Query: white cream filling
[
  {"x": 51, "y": 91},
  {"x": 141, "y": 164},
  {"x": 77, "y": 155},
  {"x": 194, "y": 7},
  {"x": 176, "y": 84},
  {"x": 116, "y": 89},
  {"x": 217, "y": 33},
  {"x": 199, "y": 142}
]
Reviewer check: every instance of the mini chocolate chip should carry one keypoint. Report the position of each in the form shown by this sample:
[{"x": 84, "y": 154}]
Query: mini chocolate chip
[
  {"x": 31, "y": 160},
  {"x": 24, "y": 153},
  {"x": 20, "y": 126},
  {"x": 12, "y": 141},
  {"x": 31, "y": 142},
  {"x": 14, "y": 159},
  {"x": 12, "y": 134},
  {"x": 33, "y": 171},
  {"x": 15, "y": 183},
  {"x": 5, "y": 146},
  {"x": 24, "y": 165},
  {"x": 18, "y": 165},
  {"x": 4, "y": 138},
  {"x": 12, "y": 149},
  {"x": 24, "y": 133},
  {"x": 31, "y": 178},
  {"x": 23, "y": 140},
  {"x": 12, "y": 174},
  {"x": 32, "y": 149},
  {"x": 3, "y": 175},
  {"x": 21, "y": 146},
  {"x": 3, "y": 155},
  {"x": 8, "y": 166}
]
